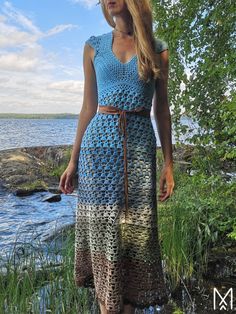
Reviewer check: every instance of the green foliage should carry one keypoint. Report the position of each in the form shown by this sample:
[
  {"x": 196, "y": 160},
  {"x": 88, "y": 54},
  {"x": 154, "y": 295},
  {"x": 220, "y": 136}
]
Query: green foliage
[
  {"x": 35, "y": 281},
  {"x": 199, "y": 214},
  {"x": 57, "y": 170},
  {"x": 232, "y": 234},
  {"x": 201, "y": 39}
]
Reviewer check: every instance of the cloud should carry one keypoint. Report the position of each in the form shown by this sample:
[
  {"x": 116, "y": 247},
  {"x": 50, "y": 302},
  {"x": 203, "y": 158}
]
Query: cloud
[
  {"x": 24, "y": 32},
  {"x": 30, "y": 59},
  {"x": 33, "y": 78},
  {"x": 16, "y": 62},
  {"x": 19, "y": 18},
  {"x": 58, "y": 29},
  {"x": 2, "y": 18},
  {"x": 67, "y": 86},
  {"x": 86, "y": 3},
  {"x": 11, "y": 36},
  {"x": 19, "y": 32},
  {"x": 39, "y": 94}
]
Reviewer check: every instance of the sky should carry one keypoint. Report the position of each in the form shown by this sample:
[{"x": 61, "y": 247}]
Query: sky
[{"x": 41, "y": 53}]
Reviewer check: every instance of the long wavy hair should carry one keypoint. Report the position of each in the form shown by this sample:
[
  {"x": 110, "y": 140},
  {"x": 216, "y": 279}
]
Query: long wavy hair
[{"x": 141, "y": 21}]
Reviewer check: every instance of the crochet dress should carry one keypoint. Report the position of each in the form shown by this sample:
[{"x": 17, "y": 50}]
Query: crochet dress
[{"x": 117, "y": 254}]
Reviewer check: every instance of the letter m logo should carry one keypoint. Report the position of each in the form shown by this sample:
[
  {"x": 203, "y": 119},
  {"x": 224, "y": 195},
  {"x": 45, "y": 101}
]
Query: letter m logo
[{"x": 222, "y": 304}]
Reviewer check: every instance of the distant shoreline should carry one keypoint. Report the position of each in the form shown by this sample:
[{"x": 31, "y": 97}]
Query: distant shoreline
[{"x": 38, "y": 116}]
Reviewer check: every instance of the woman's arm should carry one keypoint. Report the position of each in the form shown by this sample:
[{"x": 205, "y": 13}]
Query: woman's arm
[
  {"x": 90, "y": 101},
  {"x": 161, "y": 109},
  {"x": 163, "y": 121}
]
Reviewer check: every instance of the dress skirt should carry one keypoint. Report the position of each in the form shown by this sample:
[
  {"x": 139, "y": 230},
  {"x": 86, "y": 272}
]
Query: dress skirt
[{"x": 117, "y": 252}]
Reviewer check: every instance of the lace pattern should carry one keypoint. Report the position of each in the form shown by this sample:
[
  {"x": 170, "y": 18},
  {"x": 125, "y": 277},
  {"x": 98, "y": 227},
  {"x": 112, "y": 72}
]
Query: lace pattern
[{"x": 116, "y": 254}]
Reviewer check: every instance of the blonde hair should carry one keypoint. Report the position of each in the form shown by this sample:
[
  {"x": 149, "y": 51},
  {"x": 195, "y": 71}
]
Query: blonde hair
[{"x": 141, "y": 22}]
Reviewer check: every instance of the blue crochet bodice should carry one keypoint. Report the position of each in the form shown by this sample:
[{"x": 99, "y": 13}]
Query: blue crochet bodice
[{"x": 118, "y": 83}]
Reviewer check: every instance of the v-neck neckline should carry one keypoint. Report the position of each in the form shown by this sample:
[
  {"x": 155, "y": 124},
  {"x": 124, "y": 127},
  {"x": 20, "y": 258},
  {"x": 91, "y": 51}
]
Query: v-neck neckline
[{"x": 115, "y": 57}]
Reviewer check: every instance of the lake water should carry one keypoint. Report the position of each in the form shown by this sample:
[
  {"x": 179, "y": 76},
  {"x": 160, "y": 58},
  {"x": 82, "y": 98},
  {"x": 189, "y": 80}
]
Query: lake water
[
  {"x": 36, "y": 132},
  {"x": 25, "y": 218}
]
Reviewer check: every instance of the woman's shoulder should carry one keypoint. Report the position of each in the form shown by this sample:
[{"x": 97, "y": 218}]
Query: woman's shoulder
[
  {"x": 96, "y": 42},
  {"x": 93, "y": 40},
  {"x": 160, "y": 45}
]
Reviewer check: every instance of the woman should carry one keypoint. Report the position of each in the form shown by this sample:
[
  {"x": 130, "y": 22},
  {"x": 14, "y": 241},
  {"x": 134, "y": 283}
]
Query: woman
[{"x": 116, "y": 238}]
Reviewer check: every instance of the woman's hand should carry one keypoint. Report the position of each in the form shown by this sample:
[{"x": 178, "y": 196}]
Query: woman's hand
[
  {"x": 166, "y": 182},
  {"x": 66, "y": 180}
]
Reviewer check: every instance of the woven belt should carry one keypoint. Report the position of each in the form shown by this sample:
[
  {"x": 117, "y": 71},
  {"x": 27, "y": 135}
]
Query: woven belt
[{"x": 122, "y": 129}]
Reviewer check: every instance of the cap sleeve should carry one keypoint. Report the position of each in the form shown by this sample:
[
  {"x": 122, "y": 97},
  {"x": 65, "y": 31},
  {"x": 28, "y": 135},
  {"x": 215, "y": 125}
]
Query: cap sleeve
[
  {"x": 93, "y": 42},
  {"x": 161, "y": 45}
]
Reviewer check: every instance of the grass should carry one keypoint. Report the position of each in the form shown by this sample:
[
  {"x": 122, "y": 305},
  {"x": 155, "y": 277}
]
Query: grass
[
  {"x": 38, "y": 283},
  {"x": 56, "y": 170},
  {"x": 199, "y": 215}
]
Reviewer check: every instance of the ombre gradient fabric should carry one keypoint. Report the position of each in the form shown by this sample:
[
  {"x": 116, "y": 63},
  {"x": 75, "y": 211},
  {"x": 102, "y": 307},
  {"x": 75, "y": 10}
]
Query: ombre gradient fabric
[{"x": 119, "y": 256}]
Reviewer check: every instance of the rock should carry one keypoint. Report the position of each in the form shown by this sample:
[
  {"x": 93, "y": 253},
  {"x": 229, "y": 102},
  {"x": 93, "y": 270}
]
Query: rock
[
  {"x": 17, "y": 179},
  {"x": 26, "y": 192},
  {"x": 52, "y": 198},
  {"x": 29, "y": 169},
  {"x": 56, "y": 155}
]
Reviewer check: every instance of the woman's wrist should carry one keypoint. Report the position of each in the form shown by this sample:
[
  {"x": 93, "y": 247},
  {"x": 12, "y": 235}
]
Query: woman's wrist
[
  {"x": 74, "y": 158},
  {"x": 73, "y": 161},
  {"x": 168, "y": 163}
]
